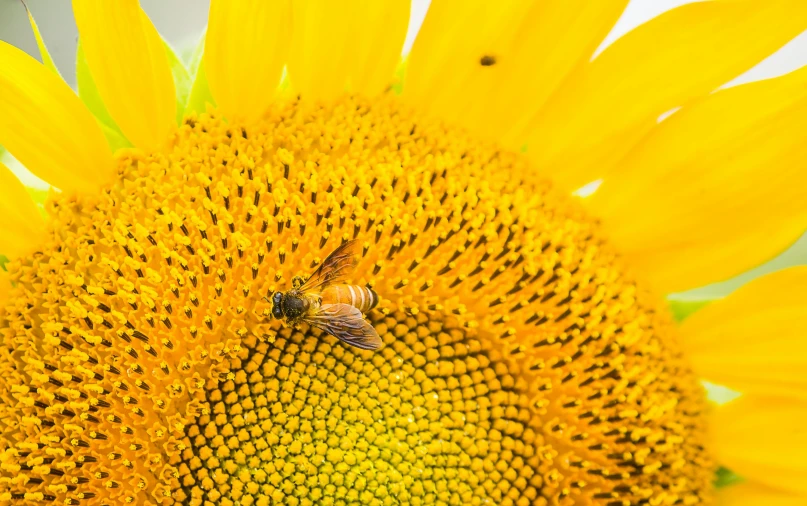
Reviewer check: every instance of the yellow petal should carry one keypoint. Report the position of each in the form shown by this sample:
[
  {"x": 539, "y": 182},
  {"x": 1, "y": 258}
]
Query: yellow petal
[
  {"x": 763, "y": 440},
  {"x": 550, "y": 39},
  {"x": 47, "y": 128},
  {"x": 21, "y": 226},
  {"x": 375, "y": 39},
  {"x": 754, "y": 339},
  {"x": 129, "y": 64},
  {"x": 455, "y": 45},
  {"x": 88, "y": 93},
  {"x": 750, "y": 494},
  {"x": 716, "y": 189},
  {"x": 353, "y": 44},
  {"x": 318, "y": 40},
  {"x": 606, "y": 107},
  {"x": 245, "y": 48}
]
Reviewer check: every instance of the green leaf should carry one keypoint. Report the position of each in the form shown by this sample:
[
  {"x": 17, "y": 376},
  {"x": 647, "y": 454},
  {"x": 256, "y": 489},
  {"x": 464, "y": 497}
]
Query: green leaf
[
  {"x": 719, "y": 394},
  {"x": 88, "y": 93},
  {"x": 187, "y": 53},
  {"x": 43, "y": 50},
  {"x": 195, "y": 58},
  {"x": 398, "y": 78},
  {"x": 725, "y": 477},
  {"x": 114, "y": 138},
  {"x": 39, "y": 196},
  {"x": 681, "y": 309},
  {"x": 3, "y": 262},
  {"x": 200, "y": 94},
  {"x": 285, "y": 83},
  {"x": 182, "y": 80}
]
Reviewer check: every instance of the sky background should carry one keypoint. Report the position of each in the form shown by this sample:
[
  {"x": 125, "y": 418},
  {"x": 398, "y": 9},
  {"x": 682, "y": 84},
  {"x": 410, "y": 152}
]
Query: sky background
[{"x": 181, "y": 23}]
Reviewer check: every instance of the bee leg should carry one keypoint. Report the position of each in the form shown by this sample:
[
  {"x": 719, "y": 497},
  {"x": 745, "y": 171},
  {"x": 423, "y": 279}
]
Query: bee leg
[{"x": 297, "y": 282}]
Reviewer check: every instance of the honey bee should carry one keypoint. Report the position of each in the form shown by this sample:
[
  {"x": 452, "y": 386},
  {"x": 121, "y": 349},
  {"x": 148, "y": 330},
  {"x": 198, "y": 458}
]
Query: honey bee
[{"x": 325, "y": 302}]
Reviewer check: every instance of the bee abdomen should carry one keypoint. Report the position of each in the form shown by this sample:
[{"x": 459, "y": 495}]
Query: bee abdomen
[
  {"x": 373, "y": 297},
  {"x": 362, "y": 298}
]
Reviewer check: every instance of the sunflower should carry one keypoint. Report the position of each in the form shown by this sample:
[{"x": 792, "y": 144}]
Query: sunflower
[{"x": 529, "y": 356}]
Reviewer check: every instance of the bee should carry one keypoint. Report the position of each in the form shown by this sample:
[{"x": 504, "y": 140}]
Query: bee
[{"x": 324, "y": 301}]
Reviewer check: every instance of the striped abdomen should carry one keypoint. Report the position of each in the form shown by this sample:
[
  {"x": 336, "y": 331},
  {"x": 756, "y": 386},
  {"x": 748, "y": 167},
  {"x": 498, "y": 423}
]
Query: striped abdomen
[{"x": 360, "y": 297}]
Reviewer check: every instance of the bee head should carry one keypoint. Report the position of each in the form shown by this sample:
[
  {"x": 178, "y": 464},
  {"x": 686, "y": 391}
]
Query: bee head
[{"x": 277, "y": 301}]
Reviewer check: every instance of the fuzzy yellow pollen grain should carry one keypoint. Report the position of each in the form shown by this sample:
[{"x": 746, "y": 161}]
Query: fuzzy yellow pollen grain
[{"x": 520, "y": 365}]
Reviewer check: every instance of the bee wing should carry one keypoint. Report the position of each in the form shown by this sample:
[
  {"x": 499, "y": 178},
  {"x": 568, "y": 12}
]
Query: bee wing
[
  {"x": 334, "y": 269},
  {"x": 347, "y": 324}
]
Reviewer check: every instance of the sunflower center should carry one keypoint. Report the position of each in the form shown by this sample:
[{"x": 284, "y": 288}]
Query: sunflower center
[
  {"x": 520, "y": 365},
  {"x": 308, "y": 418}
]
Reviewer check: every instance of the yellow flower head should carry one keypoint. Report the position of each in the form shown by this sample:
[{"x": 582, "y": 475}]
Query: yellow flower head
[{"x": 527, "y": 357}]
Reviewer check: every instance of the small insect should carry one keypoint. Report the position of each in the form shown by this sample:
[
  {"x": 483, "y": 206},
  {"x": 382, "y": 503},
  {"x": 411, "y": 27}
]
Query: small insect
[{"x": 324, "y": 301}]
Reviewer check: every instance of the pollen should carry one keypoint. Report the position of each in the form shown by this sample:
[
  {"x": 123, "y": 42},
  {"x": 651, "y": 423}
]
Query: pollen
[{"x": 522, "y": 365}]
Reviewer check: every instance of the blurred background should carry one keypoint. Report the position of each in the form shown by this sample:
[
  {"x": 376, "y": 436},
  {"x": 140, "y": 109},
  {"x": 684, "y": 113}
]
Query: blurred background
[{"x": 181, "y": 23}]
